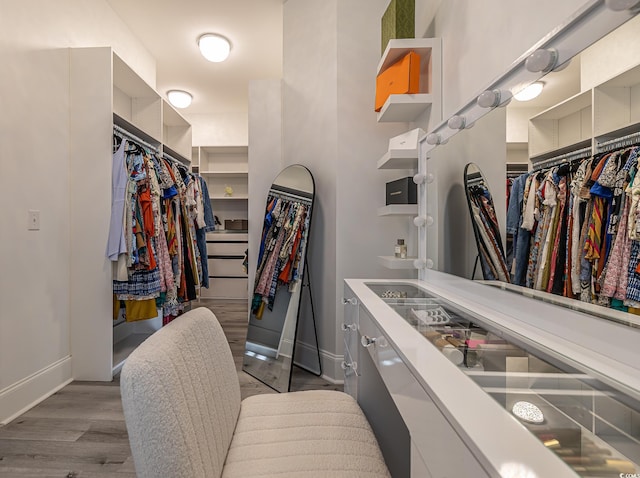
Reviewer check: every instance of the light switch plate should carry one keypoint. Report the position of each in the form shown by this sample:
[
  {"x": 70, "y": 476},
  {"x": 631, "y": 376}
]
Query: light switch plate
[{"x": 33, "y": 220}]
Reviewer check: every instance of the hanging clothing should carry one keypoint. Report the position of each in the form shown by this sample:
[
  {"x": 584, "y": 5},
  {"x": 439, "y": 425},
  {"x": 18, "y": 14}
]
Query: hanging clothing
[
  {"x": 116, "y": 242},
  {"x": 583, "y": 222},
  {"x": 160, "y": 207}
]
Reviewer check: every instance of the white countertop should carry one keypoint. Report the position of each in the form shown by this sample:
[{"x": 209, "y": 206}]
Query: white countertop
[{"x": 497, "y": 438}]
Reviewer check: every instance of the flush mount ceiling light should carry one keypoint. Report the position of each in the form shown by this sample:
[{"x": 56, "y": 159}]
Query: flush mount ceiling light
[
  {"x": 179, "y": 98},
  {"x": 214, "y": 47},
  {"x": 530, "y": 92}
]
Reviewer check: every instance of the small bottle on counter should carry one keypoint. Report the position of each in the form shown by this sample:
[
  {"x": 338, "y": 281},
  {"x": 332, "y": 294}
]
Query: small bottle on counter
[{"x": 401, "y": 249}]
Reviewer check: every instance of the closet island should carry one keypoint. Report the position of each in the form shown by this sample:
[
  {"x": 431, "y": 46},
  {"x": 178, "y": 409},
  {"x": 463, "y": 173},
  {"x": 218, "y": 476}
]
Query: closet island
[{"x": 509, "y": 385}]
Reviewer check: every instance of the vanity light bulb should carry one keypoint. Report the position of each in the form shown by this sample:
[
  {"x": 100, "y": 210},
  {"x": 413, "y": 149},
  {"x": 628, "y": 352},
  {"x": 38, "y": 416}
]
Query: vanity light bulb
[
  {"x": 489, "y": 99},
  {"x": 433, "y": 138},
  {"x": 456, "y": 122},
  {"x": 419, "y": 178},
  {"x": 619, "y": 5},
  {"x": 542, "y": 60}
]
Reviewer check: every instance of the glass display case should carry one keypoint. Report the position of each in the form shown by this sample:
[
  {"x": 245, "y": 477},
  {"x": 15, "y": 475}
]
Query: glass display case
[{"x": 585, "y": 419}]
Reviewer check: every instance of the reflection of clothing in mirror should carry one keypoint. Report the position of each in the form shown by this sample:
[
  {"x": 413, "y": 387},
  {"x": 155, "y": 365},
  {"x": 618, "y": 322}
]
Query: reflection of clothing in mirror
[
  {"x": 585, "y": 240},
  {"x": 486, "y": 224},
  {"x": 284, "y": 232}
]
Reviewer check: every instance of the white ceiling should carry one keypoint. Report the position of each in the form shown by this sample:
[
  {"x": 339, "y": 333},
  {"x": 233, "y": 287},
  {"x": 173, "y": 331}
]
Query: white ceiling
[{"x": 169, "y": 29}]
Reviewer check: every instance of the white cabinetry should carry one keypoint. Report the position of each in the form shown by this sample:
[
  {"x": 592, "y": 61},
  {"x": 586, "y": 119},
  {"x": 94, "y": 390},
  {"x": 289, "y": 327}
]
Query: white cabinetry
[
  {"x": 105, "y": 91},
  {"x": 605, "y": 112},
  {"x": 225, "y": 167},
  {"x": 453, "y": 381},
  {"x": 225, "y": 254},
  {"x": 617, "y": 106},
  {"x": 562, "y": 128}
]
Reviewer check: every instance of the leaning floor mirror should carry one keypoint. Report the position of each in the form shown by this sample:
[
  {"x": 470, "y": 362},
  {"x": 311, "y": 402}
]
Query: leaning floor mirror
[{"x": 280, "y": 279}]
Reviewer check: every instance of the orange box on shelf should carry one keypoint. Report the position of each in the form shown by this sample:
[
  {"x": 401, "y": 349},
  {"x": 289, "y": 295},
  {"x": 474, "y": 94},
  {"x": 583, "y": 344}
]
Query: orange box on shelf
[{"x": 403, "y": 77}]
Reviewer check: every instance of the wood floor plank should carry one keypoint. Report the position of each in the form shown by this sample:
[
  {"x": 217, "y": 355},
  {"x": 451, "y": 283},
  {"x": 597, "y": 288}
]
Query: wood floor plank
[{"x": 52, "y": 429}]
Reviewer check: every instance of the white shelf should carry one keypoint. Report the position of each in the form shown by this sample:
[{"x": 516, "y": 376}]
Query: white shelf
[
  {"x": 225, "y": 173},
  {"x": 399, "y": 159},
  {"x": 407, "y": 108},
  {"x": 404, "y": 108},
  {"x": 397, "y": 48},
  {"x": 229, "y": 198},
  {"x": 392, "y": 262},
  {"x": 402, "y": 152},
  {"x": 398, "y": 210}
]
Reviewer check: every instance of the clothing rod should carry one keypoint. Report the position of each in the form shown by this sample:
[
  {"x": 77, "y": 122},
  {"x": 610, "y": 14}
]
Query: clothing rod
[
  {"x": 171, "y": 158},
  {"x": 128, "y": 135},
  {"x": 284, "y": 195},
  {"x": 627, "y": 140},
  {"x": 562, "y": 158}
]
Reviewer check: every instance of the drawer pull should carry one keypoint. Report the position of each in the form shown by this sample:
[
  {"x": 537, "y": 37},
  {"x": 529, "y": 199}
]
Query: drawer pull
[
  {"x": 346, "y": 327},
  {"x": 367, "y": 341},
  {"x": 353, "y": 365},
  {"x": 352, "y": 301}
]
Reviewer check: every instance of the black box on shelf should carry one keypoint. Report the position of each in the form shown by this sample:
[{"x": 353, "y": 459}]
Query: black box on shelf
[
  {"x": 402, "y": 191},
  {"x": 236, "y": 224}
]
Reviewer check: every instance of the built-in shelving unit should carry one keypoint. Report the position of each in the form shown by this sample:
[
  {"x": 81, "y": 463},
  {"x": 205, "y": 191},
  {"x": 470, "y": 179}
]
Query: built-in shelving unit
[
  {"x": 603, "y": 113},
  {"x": 564, "y": 127},
  {"x": 408, "y": 107},
  {"x": 104, "y": 92},
  {"x": 176, "y": 133},
  {"x": 221, "y": 167},
  {"x": 402, "y": 154},
  {"x": 617, "y": 106}
]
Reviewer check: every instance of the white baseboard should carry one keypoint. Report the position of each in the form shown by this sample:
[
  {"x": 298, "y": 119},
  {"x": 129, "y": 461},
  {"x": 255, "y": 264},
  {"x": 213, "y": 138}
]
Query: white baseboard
[
  {"x": 306, "y": 357},
  {"x": 28, "y": 392}
]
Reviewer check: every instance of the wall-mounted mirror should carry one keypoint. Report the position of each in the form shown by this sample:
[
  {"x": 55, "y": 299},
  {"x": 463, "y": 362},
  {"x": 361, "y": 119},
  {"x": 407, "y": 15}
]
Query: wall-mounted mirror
[
  {"x": 280, "y": 278},
  {"x": 485, "y": 226},
  {"x": 572, "y": 152}
]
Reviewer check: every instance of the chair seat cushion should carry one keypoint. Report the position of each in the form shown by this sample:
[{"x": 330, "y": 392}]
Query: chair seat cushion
[{"x": 316, "y": 433}]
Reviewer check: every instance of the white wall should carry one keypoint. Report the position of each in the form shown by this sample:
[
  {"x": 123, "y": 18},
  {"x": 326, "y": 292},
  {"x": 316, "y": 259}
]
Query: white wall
[
  {"x": 481, "y": 39},
  {"x": 219, "y": 129},
  {"x": 34, "y": 174},
  {"x": 329, "y": 125},
  {"x": 265, "y": 157}
]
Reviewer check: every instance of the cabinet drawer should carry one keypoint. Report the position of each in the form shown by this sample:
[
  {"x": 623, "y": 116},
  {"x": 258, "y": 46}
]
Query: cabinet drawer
[
  {"x": 225, "y": 288},
  {"x": 219, "y": 248},
  {"x": 431, "y": 432},
  {"x": 223, "y": 266},
  {"x": 350, "y": 367}
]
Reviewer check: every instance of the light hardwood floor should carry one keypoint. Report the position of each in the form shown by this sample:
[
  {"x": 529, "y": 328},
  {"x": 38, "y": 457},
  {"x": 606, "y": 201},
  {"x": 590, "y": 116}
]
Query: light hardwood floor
[{"x": 79, "y": 432}]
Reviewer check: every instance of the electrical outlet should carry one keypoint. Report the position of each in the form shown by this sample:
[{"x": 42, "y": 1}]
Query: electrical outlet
[{"x": 34, "y": 220}]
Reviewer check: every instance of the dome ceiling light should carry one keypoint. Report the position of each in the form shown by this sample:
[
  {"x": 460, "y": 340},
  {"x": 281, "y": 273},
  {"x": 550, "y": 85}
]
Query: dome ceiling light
[
  {"x": 215, "y": 48},
  {"x": 179, "y": 98},
  {"x": 530, "y": 92}
]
